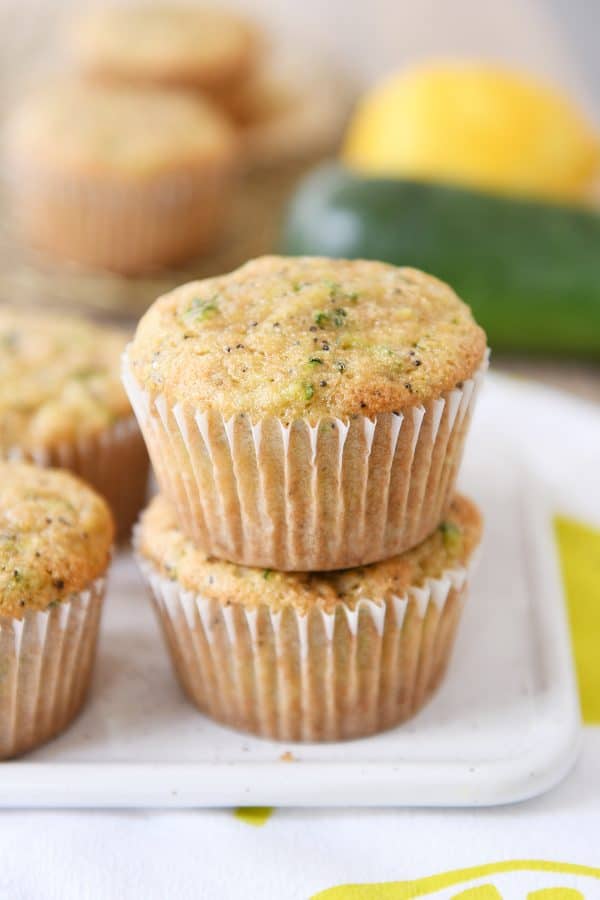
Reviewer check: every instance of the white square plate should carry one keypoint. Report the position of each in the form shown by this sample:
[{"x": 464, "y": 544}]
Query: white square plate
[{"x": 504, "y": 726}]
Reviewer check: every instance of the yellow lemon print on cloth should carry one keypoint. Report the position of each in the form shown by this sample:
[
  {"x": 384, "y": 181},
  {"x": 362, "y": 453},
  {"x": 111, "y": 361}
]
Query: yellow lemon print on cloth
[
  {"x": 556, "y": 894},
  {"x": 517, "y": 880},
  {"x": 253, "y": 815},
  {"x": 481, "y": 892},
  {"x": 579, "y": 549}
]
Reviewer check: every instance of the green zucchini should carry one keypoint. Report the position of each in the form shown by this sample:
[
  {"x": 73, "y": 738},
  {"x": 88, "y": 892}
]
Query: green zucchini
[{"x": 530, "y": 270}]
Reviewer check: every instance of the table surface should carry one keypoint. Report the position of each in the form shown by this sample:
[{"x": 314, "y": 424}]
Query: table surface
[{"x": 581, "y": 379}]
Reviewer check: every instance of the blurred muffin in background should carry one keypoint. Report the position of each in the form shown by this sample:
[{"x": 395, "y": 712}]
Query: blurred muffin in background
[
  {"x": 62, "y": 405},
  {"x": 202, "y": 48},
  {"x": 124, "y": 179},
  {"x": 284, "y": 104},
  {"x": 292, "y": 109}
]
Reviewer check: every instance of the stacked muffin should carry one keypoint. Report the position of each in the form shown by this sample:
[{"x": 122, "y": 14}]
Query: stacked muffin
[{"x": 308, "y": 557}]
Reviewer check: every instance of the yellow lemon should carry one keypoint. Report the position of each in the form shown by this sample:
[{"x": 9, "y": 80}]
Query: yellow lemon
[{"x": 476, "y": 125}]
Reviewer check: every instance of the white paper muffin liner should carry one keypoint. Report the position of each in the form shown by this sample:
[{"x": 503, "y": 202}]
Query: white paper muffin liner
[
  {"x": 46, "y": 661},
  {"x": 302, "y": 496},
  {"x": 122, "y": 227},
  {"x": 114, "y": 462},
  {"x": 319, "y": 676}
]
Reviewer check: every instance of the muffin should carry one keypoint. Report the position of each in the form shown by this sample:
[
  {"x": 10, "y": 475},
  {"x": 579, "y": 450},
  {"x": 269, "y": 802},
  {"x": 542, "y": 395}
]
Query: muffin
[
  {"x": 55, "y": 545},
  {"x": 62, "y": 405},
  {"x": 289, "y": 112},
  {"x": 306, "y": 414},
  {"x": 202, "y": 48},
  {"x": 309, "y": 657},
  {"x": 123, "y": 179}
]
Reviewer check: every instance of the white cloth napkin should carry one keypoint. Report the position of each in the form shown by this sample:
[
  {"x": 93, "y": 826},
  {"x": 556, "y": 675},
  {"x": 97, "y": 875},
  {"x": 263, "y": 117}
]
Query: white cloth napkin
[{"x": 210, "y": 854}]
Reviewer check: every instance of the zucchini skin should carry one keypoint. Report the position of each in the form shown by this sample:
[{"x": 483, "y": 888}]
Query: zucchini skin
[{"x": 530, "y": 270}]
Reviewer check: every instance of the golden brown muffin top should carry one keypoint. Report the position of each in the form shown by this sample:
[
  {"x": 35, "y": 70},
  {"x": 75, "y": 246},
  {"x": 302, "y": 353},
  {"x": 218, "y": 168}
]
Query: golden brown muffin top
[
  {"x": 121, "y": 132},
  {"x": 160, "y": 542},
  {"x": 59, "y": 379},
  {"x": 307, "y": 337},
  {"x": 55, "y": 537},
  {"x": 172, "y": 44}
]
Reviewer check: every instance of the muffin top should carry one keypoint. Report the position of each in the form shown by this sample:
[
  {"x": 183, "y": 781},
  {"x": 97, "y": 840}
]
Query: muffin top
[
  {"x": 59, "y": 380},
  {"x": 170, "y": 44},
  {"x": 101, "y": 130},
  {"x": 307, "y": 337},
  {"x": 160, "y": 541},
  {"x": 55, "y": 537}
]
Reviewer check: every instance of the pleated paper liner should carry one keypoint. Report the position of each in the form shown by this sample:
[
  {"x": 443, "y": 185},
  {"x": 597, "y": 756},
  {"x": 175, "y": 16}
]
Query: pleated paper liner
[
  {"x": 46, "y": 661},
  {"x": 128, "y": 229},
  {"x": 322, "y": 676},
  {"x": 114, "y": 462},
  {"x": 302, "y": 496}
]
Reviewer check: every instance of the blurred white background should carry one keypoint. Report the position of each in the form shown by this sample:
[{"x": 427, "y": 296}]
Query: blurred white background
[{"x": 365, "y": 38}]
